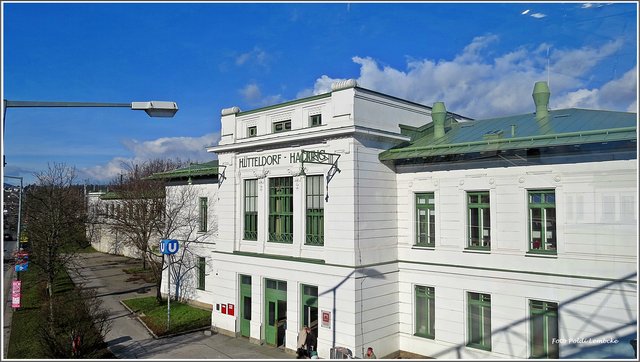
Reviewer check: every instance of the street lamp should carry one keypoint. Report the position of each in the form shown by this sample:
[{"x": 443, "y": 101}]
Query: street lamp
[{"x": 152, "y": 108}]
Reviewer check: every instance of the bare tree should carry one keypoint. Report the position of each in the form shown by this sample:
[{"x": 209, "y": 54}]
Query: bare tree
[
  {"x": 78, "y": 328},
  {"x": 55, "y": 216},
  {"x": 185, "y": 221},
  {"x": 139, "y": 211}
]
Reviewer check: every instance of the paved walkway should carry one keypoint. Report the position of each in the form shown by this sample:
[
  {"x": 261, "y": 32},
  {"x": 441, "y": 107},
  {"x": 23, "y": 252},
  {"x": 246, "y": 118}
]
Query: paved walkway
[
  {"x": 7, "y": 311},
  {"x": 129, "y": 339}
]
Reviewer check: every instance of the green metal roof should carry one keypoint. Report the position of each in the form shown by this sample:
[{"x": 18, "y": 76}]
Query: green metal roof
[
  {"x": 563, "y": 127},
  {"x": 193, "y": 170}
]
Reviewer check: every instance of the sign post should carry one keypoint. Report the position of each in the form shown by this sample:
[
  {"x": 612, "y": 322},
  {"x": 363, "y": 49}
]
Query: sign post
[{"x": 168, "y": 247}]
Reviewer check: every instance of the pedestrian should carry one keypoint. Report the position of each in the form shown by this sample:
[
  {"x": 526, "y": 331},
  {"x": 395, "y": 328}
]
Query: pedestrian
[
  {"x": 370, "y": 354},
  {"x": 310, "y": 341},
  {"x": 301, "y": 352}
]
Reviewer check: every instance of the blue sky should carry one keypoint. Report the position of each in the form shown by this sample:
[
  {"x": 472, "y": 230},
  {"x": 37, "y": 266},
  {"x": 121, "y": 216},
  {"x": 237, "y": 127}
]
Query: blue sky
[{"x": 481, "y": 59}]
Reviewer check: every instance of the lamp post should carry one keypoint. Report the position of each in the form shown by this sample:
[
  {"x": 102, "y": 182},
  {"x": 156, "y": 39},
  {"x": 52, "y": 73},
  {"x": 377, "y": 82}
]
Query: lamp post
[
  {"x": 19, "y": 211},
  {"x": 152, "y": 108}
]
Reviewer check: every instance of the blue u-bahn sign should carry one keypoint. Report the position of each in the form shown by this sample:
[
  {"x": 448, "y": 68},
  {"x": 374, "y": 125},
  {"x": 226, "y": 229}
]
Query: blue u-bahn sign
[
  {"x": 22, "y": 266},
  {"x": 168, "y": 246}
]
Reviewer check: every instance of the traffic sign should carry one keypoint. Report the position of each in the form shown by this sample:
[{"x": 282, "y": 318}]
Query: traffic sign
[
  {"x": 168, "y": 246},
  {"x": 22, "y": 266}
]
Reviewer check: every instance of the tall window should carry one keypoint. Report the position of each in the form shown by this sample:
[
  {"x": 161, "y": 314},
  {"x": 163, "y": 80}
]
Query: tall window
[
  {"x": 282, "y": 126},
  {"x": 202, "y": 216},
  {"x": 315, "y": 210},
  {"x": 542, "y": 221},
  {"x": 544, "y": 329},
  {"x": 281, "y": 209},
  {"x": 479, "y": 220},
  {"x": 315, "y": 120},
  {"x": 425, "y": 311},
  {"x": 425, "y": 220},
  {"x": 250, "y": 210},
  {"x": 479, "y": 325},
  {"x": 201, "y": 272}
]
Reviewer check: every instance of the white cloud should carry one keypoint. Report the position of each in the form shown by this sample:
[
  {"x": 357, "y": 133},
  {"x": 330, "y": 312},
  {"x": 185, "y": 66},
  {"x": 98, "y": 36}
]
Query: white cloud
[
  {"x": 253, "y": 95},
  {"x": 538, "y": 15},
  {"x": 613, "y": 95},
  {"x": 251, "y": 92},
  {"x": 184, "y": 148},
  {"x": 525, "y": 12},
  {"x": 256, "y": 55},
  {"x": 480, "y": 86}
]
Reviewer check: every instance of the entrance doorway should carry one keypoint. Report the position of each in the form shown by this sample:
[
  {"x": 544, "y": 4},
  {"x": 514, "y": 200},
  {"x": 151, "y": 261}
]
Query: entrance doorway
[
  {"x": 245, "y": 305},
  {"x": 309, "y": 308},
  {"x": 275, "y": 312}
]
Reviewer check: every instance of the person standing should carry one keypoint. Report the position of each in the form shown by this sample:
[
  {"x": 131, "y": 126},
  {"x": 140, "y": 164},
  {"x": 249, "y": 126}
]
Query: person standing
[
  {"x": 301, "y": 352},
  {"x": 370, "y": 354},
  {"x": 310, "y": 341}
]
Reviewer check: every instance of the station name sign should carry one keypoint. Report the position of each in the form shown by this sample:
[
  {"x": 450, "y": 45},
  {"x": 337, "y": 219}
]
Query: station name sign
[{"x": 275, "y": 159}]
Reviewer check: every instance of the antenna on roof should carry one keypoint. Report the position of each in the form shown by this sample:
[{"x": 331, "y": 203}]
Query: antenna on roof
[{"x": 548, "y": 83}]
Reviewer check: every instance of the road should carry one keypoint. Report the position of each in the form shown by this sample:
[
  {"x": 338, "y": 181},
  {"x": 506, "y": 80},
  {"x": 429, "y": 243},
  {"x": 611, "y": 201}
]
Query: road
[{"x": 129, "y": 339}]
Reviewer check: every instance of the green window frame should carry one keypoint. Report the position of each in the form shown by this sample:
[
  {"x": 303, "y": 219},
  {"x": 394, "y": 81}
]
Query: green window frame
[
  {"x": 315, "y": 211},
  {"x": 281, "y": 210},
  {"x": 202, "y": 215},
  {"x": 425, "y": 311},
  {"x": 251, "y": 209},
  {"x": 479, "y": 321},
  {"x": 543, "y": 329},
  {"x": 479, "y": 220},
  {"x": 202, "y": 266},
  {"x": 282, "y": 126},
  {"x": 252, "y": 131},
  {"x": 315, "y": 120},
  {"x": 425, "y": 219},
  {"x": 542, "y": 221}
]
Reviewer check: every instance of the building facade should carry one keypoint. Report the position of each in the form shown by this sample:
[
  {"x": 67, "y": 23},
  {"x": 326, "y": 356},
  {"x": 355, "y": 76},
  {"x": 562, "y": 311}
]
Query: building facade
[{"x": 385, "y": 223}]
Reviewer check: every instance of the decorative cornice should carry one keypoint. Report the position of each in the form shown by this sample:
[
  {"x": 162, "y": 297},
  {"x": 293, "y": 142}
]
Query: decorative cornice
[
  {"x": 349, "y": 83},
  {"x": 231, "y": 110}
]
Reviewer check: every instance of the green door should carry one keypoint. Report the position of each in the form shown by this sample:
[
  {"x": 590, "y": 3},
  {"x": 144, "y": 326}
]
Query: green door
[
  {"x": 245, "y": 305},
  {"x": 275, "y": 312}
]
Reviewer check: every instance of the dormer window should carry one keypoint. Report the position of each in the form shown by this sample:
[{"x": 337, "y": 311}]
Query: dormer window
[
  {"x": 282, "y": 126},
  {"x": 315, "y": 120},
  {"x": 252, "y": 131}
]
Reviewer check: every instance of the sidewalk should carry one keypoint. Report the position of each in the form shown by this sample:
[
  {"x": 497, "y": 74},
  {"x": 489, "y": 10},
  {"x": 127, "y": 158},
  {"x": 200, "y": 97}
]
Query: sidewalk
[
  {"x": 129, "y": 339},
  {"x": 7, "y": 275}
]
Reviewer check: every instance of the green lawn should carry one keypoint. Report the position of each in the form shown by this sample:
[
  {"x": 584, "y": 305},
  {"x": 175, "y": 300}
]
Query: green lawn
[
  {"x": 183, "y": 316},
  {"x": 26, "y": 321}
]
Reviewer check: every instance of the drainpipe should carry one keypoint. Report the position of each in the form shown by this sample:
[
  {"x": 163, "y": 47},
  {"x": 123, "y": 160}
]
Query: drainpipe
[
  {"x": 541, "y": 96},
  {"x": 438, "y": 115}
]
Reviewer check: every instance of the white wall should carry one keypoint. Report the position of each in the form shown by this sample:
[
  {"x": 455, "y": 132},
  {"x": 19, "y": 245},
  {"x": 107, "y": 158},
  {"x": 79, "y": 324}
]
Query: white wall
[{"x": 597, "y": 247}]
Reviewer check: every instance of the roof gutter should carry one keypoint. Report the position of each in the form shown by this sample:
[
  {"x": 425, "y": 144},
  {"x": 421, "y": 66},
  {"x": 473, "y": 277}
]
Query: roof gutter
[{"x": 510, "y": 140}]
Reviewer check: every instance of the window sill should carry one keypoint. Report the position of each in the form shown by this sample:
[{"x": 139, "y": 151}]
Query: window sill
[
  {"x": 424, "y": 336},
  {"x": 423, "y": 247},
  {"x": 538, "y": 254},
  {"x": 488, "y": 349},
  {"x": 477, "y": 250}
]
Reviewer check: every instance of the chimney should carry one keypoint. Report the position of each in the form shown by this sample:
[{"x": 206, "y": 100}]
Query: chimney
[
  {"x": 541, "y": 95},
  {"x": 438, "y": 115}
]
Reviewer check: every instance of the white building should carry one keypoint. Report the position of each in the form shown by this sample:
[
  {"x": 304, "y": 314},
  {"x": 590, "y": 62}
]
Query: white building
[
  {"x": 101, "y": 205},
  {"x": 354, "y": 213}
]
